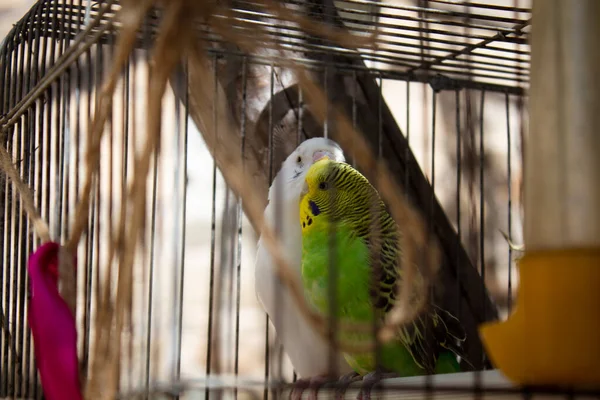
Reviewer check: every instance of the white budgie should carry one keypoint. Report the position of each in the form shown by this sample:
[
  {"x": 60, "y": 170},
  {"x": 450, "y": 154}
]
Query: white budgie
[{"x": 307, "y": 350}]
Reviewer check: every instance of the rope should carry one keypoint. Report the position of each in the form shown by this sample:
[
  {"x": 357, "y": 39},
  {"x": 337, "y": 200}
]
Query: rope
[
  {"x": 67, "y": 286},
  {"x": 39, "y": 225}
]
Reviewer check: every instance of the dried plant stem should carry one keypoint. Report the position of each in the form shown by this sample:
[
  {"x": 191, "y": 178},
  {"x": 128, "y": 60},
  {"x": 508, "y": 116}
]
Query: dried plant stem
[
  {"x": 67, "y": 282},
  {"x": 339, "y": 36},
  {"x": 39, "y": 225},
  {"x": 132, "y": 18},
  {"x": 101, "y": 384},
  {"x": 167, "y": 53}
]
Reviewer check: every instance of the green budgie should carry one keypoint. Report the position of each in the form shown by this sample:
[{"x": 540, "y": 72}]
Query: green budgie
[{"x": 334, "y": 191}]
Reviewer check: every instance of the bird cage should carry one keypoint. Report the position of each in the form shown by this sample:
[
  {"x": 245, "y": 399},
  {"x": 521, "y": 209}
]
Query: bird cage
[{"x": 143, "y": 137}]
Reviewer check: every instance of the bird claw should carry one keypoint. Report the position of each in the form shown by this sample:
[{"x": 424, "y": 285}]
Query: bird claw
[
  {"x": 370, "y": 380},
  {"x": 298, "y": 389},
  {"x": 344, "y": 382},
  {"x": 313, "y": 384}
]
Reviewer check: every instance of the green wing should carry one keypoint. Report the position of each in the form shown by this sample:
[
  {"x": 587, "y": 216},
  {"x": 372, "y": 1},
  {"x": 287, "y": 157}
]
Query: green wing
[{"x": 435, "y": 329}]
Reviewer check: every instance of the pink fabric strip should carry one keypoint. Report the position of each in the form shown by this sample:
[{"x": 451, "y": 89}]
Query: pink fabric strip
[{"x": 53, "y": 327}]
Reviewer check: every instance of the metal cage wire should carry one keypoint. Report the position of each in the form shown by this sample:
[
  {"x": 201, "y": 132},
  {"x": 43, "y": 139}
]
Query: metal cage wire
[{"x": 473, "y": 57}]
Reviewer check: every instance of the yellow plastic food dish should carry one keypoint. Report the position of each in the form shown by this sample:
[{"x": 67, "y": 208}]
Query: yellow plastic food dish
[{"x": 553, "y": 336}]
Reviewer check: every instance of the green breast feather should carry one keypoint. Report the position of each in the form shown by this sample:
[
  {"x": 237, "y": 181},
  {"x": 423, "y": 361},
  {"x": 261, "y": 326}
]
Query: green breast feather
[{"x": 337, "y": 192}]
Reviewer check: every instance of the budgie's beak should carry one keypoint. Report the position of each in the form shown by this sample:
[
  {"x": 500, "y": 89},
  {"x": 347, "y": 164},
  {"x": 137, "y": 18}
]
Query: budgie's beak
[{"x": 319, "y": 154}]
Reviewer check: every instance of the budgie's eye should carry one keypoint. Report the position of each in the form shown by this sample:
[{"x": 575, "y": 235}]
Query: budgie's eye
[
  {"x": 299, "y": 159},
  {"x": 323, "y": 185}
]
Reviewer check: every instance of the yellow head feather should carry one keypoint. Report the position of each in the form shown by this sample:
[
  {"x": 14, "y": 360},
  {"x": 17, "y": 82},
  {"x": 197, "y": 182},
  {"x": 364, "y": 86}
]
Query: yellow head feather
[{"x": 335, "y": 190}]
